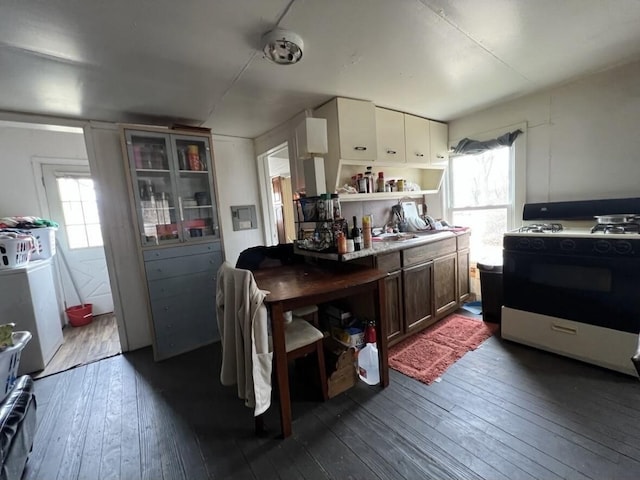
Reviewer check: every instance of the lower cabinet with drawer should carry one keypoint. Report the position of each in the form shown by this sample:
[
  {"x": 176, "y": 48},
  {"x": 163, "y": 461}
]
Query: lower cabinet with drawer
[
  {"x": 182, "y": 287},
  {"x": 422, "y": 286}
]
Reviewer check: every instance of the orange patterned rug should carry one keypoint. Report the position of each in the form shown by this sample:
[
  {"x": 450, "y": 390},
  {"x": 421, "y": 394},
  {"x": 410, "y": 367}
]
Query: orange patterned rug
[{"x": 426, "y": 355}]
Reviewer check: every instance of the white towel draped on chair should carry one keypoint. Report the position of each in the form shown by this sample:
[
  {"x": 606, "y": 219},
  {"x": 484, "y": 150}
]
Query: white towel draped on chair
[{"x": 246, "y": 351}]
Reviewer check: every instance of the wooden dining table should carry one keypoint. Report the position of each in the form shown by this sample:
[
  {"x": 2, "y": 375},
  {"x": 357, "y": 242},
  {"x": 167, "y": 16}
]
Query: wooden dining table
[{"x": 299, "y": 285}]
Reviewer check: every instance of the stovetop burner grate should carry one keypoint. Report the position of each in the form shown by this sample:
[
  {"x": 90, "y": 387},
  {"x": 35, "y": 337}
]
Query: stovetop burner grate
[
  {"x": 616, "y": 228},
  {"x": 541, "y": 227}
]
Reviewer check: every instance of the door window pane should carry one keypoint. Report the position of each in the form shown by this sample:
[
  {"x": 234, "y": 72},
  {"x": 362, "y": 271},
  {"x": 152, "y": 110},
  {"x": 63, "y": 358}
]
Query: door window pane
[{"x": 81, "y": 219}]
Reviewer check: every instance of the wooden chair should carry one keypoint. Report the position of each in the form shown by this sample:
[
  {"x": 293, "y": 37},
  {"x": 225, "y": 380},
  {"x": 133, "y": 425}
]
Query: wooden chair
[{"x": 301, "y": 339}]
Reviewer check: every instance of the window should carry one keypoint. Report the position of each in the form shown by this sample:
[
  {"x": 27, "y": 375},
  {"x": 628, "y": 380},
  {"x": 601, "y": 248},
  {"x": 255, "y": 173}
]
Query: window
[
  {"x": 81, "y": 220},
  {"x": 481, "y": 198}
]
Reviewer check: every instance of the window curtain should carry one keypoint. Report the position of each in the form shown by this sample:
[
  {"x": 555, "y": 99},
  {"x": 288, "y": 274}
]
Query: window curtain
[{"x": 466, "y": 146}]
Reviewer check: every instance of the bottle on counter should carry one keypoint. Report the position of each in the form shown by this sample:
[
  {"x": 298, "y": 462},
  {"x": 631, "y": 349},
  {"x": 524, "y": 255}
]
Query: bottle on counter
[
  {"x": 400, "y": 185},
  {"x": 366, "y": 231},
  {"x": 356, "y": 235},
  {"x": 380, "y": 182},
  {"x": 342, "y": 243}
]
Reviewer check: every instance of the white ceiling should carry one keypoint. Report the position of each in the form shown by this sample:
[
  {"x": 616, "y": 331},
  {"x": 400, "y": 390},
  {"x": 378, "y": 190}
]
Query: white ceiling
[{"x": 199, "y": 61}]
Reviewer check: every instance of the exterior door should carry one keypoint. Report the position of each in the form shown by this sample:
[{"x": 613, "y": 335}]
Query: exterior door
[{"x": 72, "y": 204}]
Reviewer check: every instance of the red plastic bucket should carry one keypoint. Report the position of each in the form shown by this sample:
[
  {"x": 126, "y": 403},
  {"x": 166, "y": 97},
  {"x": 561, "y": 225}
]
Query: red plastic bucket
[{"x": 80, "y": 315}]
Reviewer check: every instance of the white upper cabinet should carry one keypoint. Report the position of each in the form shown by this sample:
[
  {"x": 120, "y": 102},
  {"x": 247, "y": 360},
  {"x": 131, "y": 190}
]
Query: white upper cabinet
[
  {"x": 403, "y": 146},
  {"x": 416, "y": 133},
  {"x": 439, "y": 150},
  {"x": 351, "y": 128},
  {"x": 390, "y": 132}
]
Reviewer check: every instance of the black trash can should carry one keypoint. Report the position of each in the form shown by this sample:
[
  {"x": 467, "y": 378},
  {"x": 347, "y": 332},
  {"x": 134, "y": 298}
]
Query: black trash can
[{"x": 491, "y": 289}]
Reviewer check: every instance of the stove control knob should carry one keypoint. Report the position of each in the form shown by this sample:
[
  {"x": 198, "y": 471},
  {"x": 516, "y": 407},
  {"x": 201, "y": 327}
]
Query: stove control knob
[
  {"x": 524, "y": 243},
  {"x": 537, "y": 244},
  {"x": 567, "y": 245},
  {"x": 622, "y": 247},
  {"x": 602, "y": 246}
]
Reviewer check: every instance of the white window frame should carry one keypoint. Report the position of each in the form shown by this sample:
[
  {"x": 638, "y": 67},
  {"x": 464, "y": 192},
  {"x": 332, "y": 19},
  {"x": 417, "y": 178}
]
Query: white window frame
[{"x": 517, "y": 172}]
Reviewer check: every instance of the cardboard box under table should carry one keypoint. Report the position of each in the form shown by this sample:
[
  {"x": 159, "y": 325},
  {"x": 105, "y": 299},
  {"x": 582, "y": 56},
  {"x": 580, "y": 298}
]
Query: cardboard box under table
[{"x": 340, "y": 363}]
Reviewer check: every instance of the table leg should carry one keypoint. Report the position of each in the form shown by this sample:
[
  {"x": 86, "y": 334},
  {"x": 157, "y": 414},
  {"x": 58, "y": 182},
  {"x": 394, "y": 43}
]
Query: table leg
[
  {"x": 381, "y": 332},
  {"x": 282, "y": 374}
]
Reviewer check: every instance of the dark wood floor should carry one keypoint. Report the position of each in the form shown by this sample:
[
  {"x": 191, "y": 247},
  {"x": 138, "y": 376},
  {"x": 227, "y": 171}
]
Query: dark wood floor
[{"x": 504, "y": 411}]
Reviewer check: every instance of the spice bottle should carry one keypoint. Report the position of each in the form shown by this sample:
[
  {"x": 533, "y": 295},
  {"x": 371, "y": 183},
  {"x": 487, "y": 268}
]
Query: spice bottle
[
  {"x": 380, "y": 182},
  {"x": 342, "y": 243},
  {"x": 337, "y": 209},
  {"x": 400, "y": 184},
  {"x": 366, "y": 231},
  {"x": 321, "y": 207},
  {"x": 370, "y": 183},
  {"x": 362, "y": 183}
]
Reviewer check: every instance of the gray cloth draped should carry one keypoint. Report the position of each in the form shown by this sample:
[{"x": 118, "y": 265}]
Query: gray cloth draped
[{"x": 466, "y": 146}]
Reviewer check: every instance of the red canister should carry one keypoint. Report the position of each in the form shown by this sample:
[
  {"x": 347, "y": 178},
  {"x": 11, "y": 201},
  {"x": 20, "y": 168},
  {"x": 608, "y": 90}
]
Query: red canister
[{"x": 370, "y": 333}]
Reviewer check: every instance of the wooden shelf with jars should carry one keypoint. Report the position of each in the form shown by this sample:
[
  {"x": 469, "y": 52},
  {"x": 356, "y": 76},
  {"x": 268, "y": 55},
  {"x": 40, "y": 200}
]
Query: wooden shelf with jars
[{"x": 426, "y": 181}]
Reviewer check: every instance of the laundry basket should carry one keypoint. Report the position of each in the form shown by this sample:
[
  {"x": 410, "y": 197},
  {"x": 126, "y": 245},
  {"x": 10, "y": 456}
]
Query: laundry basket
[
  {"x": 46, "y": 242},
  {"x": 10, "y": 360},
  {"x": 15, "y": 252}
]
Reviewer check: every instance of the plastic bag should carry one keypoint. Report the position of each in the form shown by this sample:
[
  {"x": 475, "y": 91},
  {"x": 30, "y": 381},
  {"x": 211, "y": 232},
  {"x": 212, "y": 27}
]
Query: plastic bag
[{"x": 6, "y": 337}]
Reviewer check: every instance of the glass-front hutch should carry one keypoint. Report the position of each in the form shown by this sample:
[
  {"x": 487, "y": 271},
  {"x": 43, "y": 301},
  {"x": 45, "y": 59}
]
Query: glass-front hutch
[
  {"x": 174, "y": 199},
  {"x": 173, "y": 187}
]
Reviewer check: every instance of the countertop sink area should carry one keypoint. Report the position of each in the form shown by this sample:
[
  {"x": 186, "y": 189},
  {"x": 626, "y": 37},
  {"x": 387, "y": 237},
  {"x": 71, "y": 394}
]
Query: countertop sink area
[
  {"x": 387, "y": 243},
  {"x": 394, "y": 237}
]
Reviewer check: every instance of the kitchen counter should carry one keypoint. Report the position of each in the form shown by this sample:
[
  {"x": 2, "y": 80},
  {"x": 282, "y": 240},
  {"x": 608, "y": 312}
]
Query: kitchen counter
[
  {"x": 427, "y": 277},
  {"x": 385, "y": 246}
]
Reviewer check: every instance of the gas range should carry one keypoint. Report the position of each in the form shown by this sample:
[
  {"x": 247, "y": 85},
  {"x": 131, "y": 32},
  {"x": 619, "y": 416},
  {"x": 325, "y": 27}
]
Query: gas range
[
  {"x": 599, "y": 240},
  {"x": 611, "y": 231},
  {"x": 569, "y": 287}
]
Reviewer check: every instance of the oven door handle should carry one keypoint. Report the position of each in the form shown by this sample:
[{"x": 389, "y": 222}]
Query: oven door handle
[{"x": 562, "y": 329}]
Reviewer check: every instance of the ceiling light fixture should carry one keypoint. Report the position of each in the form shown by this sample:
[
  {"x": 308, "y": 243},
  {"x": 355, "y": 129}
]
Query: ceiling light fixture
[{"x": 282, "y": 46}]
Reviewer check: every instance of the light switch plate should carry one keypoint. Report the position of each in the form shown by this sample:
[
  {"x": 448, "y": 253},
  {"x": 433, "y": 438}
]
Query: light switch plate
[{"x": 244, "y": 217}]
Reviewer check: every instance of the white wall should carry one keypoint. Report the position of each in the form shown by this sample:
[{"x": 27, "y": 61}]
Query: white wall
[
  {"x": 583, "y": 140},
  {"x": 17, "y": 147},
  {"x": 237, "y": 184}
]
